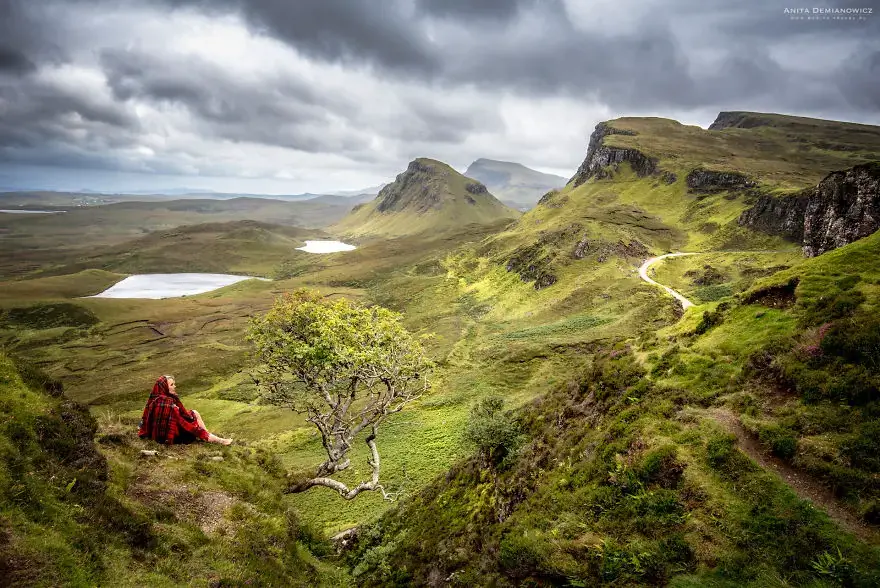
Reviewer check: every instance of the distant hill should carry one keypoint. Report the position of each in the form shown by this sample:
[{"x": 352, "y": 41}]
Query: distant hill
[
  {"x": 245, "y": 246},
  {"x": 514, "y": 184},
  {"x": 428, "y": 196},
  {"x": 50, "y": 198},
  {"x": 372, "y": 190},
  {"x": 30, "y": 243}
]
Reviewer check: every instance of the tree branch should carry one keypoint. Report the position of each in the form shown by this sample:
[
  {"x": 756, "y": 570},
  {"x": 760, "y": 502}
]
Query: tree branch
[{"x": 343, "y": 490}]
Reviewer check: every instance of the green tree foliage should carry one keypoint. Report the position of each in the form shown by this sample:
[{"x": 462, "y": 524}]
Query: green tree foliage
[{"x": 347, "y": 367}]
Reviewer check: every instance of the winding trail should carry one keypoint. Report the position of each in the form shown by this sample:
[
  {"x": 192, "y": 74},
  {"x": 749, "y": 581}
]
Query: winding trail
[
  {"x": 805, "y": 486},
  {"x": 643, "y": 273}
]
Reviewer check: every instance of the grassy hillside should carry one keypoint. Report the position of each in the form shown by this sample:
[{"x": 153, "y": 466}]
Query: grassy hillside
[
  {"x": 781, "y": 152},
  {"x": 736, "y": 446},
  {"x": 77, "y": 513},
  {"x": 430, "y": 197}
]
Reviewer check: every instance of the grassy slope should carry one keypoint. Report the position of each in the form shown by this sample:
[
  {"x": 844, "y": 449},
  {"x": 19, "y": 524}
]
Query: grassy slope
[
  {"x": 663, "y": 217},
  {"x": 181, "y": 518},
  {"x": 799, "y": 373},
  {"x": 457, "y": 208}
]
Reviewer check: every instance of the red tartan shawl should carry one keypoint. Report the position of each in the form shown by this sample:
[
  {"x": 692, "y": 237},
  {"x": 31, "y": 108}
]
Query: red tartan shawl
[{"x": 165, "y": 416}]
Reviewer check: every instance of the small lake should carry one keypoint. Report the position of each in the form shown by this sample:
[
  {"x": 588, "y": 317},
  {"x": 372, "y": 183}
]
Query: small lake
[
  {"x": 326, "y": 247},
  {"x": 156, "y": 286},
  {"x": 32, "y": 211}
]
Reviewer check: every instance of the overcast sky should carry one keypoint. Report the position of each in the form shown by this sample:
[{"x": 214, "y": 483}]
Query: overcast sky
[{"x": 288, "y": 96}]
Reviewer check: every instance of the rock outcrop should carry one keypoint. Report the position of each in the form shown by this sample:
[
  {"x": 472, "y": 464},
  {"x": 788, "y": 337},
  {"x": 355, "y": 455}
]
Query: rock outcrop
[
  {"x": 846, "y": 208},
  {"x": 843, "y": 208},
  {"x": 600, "y": 156},
  {"x": 782, "y": 216},
  {"x": 738, "y": 120},
  {"x": 411, "y": 189},
  {"x": 708, "y": 181},
  {"x": 429, "y": 196}
]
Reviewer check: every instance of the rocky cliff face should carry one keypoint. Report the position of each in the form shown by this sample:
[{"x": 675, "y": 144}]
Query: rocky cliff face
[
  {"x": 843, "y": 208},
  {"x": 778, "y": 216},
  {"x": 703, "y": 180},
  {"x": 599, "y": 157},
  {"x": 421, "y": 188}
]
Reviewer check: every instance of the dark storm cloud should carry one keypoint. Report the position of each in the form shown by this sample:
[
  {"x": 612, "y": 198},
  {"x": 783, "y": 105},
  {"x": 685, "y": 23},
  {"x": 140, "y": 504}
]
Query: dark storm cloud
[
  {"x": 13, "y": 60},
  {"x": 652, "y": 65},
  {"x": 349, "y": 31},
  {"x": 210, "y": 91},
  {"x": 466, "y": 9},
  {"x": 644, "y": 67},
  {"x": 423, "y": 73},
  {"x": 37, "y": 111},
  {"x": 859, "y": 81},
  {"x": 281, "y": 111},
  {"x": 28, "y": 35}
]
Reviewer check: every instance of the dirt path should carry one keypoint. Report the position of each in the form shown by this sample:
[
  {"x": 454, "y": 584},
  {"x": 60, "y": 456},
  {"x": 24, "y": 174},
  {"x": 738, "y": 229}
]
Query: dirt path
[
  {"x": 643, "y": 273},
  {"x": 803, "y": 485}
]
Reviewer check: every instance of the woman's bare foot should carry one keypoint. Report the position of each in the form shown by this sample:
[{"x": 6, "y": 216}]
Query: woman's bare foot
[{"x": 212, "y": 438}]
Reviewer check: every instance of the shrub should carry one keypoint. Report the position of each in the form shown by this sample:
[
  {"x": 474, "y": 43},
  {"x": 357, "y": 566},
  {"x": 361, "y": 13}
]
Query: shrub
[
  {"x": 522, "y": 555},
  {"x": 711, "y": 319},
  {"x": 863, "y": 447},
  {"x": 496, "y": 435},
  {"x": 724, "y": 457},
  {"x": 781, "y": 441}
]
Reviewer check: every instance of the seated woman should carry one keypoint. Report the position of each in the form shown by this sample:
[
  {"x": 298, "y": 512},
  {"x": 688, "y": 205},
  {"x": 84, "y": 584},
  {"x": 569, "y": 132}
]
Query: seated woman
[{"x": 166, "y": 420}]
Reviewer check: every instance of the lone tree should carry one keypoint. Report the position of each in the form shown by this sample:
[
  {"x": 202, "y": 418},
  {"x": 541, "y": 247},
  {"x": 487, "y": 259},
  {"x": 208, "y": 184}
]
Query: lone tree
[{"x": 345, "y": 366}]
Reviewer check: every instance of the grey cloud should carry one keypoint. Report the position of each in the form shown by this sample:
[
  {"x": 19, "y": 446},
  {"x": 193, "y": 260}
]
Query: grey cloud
[
  {"x": 684, "y": 55},
  {"x": 466, "y": 9},
  {"x": 348, "y": 31},
  {"x": 13, "y": 60},
  {"x": 36, "y": 111},
  {"x": 859, "y": 81}
]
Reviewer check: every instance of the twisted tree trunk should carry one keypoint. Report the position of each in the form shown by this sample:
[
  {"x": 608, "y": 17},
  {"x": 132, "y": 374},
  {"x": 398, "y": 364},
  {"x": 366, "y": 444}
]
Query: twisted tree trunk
[{"x": 343, "y": 490}]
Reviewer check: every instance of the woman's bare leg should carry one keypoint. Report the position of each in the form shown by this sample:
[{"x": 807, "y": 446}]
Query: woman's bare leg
[
  {"x": 212, "y": 438},
  {"x": 199, "y": 419}
]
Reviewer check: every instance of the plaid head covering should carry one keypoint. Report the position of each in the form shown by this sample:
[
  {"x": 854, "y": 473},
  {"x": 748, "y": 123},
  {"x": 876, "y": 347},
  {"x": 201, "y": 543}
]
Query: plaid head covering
[{"x": 165, "y": 416}]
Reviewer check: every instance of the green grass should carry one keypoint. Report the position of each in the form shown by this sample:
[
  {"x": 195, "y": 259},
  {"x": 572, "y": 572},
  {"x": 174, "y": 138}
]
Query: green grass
[{"x": 789, "y": 153}]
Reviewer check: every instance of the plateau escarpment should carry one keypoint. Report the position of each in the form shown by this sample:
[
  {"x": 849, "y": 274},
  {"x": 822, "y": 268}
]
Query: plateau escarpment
[
  {"x": 600, "y": 156},
  {"x": 843, "y": 208}
]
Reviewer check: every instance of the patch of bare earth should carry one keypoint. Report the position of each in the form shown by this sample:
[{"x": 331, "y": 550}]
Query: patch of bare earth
[
  {"x": 203, "y": 508},
  {"x": 806, "y": 487}
]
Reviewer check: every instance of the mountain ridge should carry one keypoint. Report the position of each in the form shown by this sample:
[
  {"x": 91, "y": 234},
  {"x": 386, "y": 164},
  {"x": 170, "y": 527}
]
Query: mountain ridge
[
  {"x": 428, "y": 196},
  {"x": 513, "y": 183}
]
